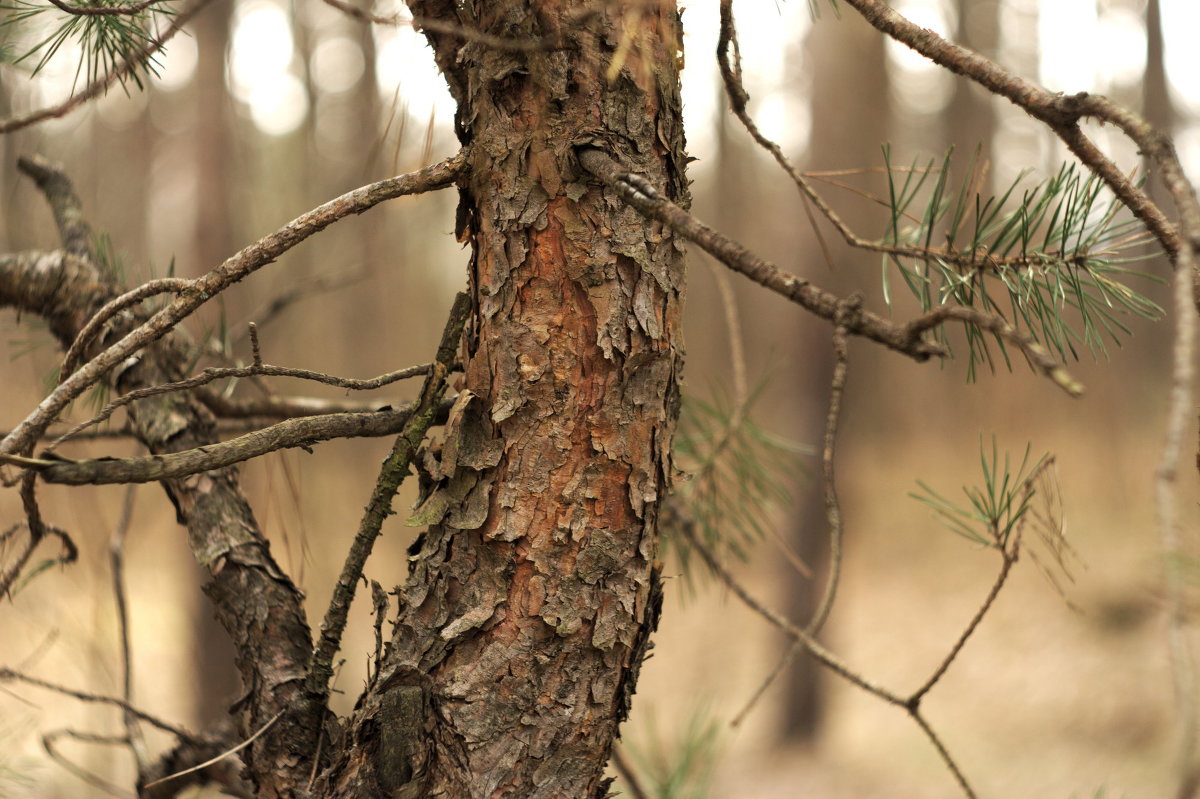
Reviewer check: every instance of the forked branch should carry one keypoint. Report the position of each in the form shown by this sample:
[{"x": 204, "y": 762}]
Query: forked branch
[{"x": 204, "y": 288}]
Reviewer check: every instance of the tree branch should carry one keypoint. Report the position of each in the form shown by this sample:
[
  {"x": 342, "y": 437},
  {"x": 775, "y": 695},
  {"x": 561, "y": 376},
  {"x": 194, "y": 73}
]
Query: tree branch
[
  {"x": 904, "y": 338},
  {"x": 301, "y": 432},
  {"x": 101, "y": 85},
  {"x": 392, "y": 473},
  {"x": 204, "y": 288},
  {"x": 1061, "y": 113},
  {"x": 131, "y": 10}
]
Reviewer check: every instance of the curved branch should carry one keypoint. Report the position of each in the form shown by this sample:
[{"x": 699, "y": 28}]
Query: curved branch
[
  {"x": 73, "y": 229},
  {"x": 287, "y": 434},
  {"x": 1061, "y": 113},
  {"x": 113, "y": 307},
  {"x": 202, "y": 289}
]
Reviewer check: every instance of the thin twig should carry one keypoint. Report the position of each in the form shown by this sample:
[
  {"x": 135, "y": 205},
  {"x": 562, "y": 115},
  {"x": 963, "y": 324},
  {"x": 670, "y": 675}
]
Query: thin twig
[
  {"x": 737, "y": 349},
  {"x": 7, "y": 675},
  {"x": 91, "y": 779},
  {"x": 236, "y": 268},
  {"x": 256, "y": 369},
  {"x": 1008, "y": 560},
  {"x": 391, "y": 474},
  {"x": 110, "y": 309},
  {"x": 949, "y": 761},
  {"x": 824, "y": 656},
  {"x": 833, "y": 511},
  {"x": 781, "y": 665},
  {"x": 222, "y": 756},
  {"x": 621, "y": 764}
]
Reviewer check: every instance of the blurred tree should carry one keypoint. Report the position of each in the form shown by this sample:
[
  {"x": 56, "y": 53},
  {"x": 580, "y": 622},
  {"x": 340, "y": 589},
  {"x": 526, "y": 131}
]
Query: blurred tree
[
  {"x": 533, "y": 589},
  {"x": 855, "y": 58}
]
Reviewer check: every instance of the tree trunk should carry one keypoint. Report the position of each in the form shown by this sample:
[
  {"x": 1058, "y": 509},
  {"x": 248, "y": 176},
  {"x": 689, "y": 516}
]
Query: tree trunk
[
  {"x": 533, "y": 592},
  {"x": 846, "y": 136},
  {"x": 970, "y": 118}
]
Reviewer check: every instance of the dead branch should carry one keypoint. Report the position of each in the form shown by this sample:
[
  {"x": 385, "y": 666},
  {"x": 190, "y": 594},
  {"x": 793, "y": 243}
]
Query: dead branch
[
  {"x": 257, "y": 369},
  {"x": 204, "y": 288},
  {"x": 12, "y": 675},
  {"x": 301, "y": 432},
  {"x": 395, "y": 468},
  {"x": 825, "y": 657}
]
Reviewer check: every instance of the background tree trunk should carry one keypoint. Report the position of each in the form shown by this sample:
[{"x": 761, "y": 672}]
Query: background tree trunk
[{"x": 844, "y": 136}]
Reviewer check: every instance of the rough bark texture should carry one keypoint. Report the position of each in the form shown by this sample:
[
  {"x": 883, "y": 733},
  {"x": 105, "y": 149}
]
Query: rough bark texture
[
  {"x": 533, "y": 592},
  {"x": 255, "y": 602}
]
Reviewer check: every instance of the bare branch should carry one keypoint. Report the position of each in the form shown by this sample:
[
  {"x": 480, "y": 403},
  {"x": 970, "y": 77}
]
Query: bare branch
[
  {"x": 1009, "y": 560},
  {"x": 394, "y": 470},
  {"x": 227, "y": 753},
  {"x": 182, "y": 757},
  {"x": 1061, "y": 113},
  {"x": 11, "y": 675},
  {"x": 236, "y": 268},
  {"x": 301, "y": 432},
  {"x": 214, "y": 373},
  {"x": 10, "y": 573},
  {"x": 49, "y": 739},
  {"x": 110, "y": 309},
  {"x": 824, "y": 656},
  {"x": 621, "y": 763},
  {"x": 833, "y": 511},
  {"x": 116, "y": 556}
]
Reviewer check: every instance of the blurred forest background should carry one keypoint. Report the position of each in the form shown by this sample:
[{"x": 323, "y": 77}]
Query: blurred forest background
[{"x": 270, "y": 108}]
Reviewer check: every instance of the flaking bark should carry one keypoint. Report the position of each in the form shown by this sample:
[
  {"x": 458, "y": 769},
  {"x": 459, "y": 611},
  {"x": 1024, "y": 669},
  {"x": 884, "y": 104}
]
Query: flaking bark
[{"x": 533, "y": 590}]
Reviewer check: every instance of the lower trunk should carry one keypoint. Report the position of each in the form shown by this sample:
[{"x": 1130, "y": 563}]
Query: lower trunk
[{"x": 534, "y": 590}]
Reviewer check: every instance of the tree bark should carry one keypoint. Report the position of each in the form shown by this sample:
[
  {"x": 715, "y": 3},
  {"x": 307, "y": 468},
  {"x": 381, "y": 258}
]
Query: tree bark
[{"x": 533, "y": 592}]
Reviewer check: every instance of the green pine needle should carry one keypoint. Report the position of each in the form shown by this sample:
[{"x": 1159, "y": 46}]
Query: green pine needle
[
  {"x": 738, "y": 477},
  {"x": 106, "y": 42},
  {"x": 994, "y": 509},
  {"x": 1054, "y": 264}
]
